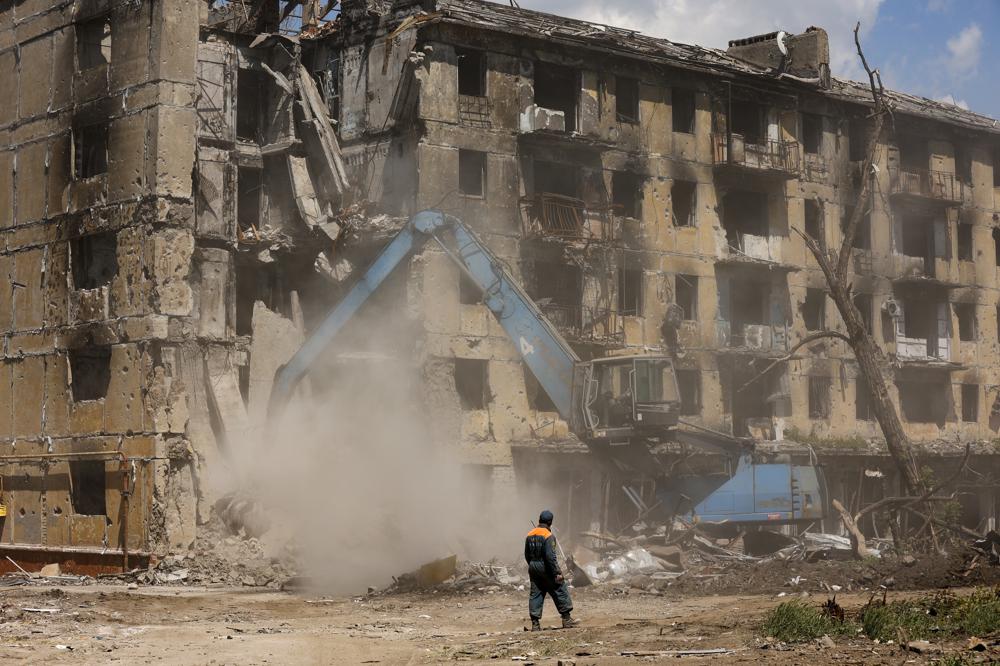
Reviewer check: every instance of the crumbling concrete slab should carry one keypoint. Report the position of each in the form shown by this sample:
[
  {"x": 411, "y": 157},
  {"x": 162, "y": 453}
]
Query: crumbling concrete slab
[
  {"x": 275, "y": 340},
  {"x": 222, "y": 384}
]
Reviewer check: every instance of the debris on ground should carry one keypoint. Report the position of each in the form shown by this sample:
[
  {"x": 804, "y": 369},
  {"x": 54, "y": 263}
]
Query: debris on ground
[{"x": 465, "y": 578}]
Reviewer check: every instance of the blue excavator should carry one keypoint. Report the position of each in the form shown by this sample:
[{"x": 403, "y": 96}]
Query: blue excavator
[{"x": 614, "y": 405}]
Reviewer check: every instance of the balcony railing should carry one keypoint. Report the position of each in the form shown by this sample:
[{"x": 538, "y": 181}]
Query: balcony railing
[
  {"x": 815, "y": 168},
  {"x": 769, "y": 156},
  {"x": 926, "y": 184},
  {"x": 755, "y": 337},
  {"x": 557, "y": 216},
  {"x": 751, "y": 246},
  {"x": 474, "y": 111},
  {"x": 585, "y": 324}
]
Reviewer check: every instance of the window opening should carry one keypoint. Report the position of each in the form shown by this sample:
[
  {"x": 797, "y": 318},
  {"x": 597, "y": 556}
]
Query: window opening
[
  {"x": 689, "y": 384},
  {"x": 630, "y": 292},
  {"x": 683, "y": 107},
  {"x": 90, "y": 151},
  {"x": 964, "y": 242},
  {"x": 95, "y": 259},
  {"x": 90, "y": 370},
  {"x": 248, "y": 200},
  {"x": 966, "y": 315},
  {"x": 472, "y": 383},
  {"x": 864, "y": 409},
  {"x": 814, "y": 222},
  {"x": 88, "y": 487},
  {"x": 250, "y": 110},
  {"x": 686, "y": 295},
  {"x": 819, "y": 397},
  {"x": 812, "y": 133},
  {"x": 538, "y": 399},
  {"x": 557, "y": 88},
  {"x": 627, "y": 99},
  {"x": 626, "y": 193},
  {"x": 683, "y": 197},
  {"x": 864, "y": 304},
  {"x": 747, "y": 120},
  {"x": 93, "y": 42},
  {"x": 970, "y": 403},
  {"x": 471, "y": 72},
  {"x": 814, "y": 310},
  {"x": 472, "y": 173}
]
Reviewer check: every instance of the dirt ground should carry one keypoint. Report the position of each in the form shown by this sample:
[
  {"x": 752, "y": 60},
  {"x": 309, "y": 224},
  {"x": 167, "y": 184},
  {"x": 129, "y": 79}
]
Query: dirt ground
[{"x": 99, "y": 624}]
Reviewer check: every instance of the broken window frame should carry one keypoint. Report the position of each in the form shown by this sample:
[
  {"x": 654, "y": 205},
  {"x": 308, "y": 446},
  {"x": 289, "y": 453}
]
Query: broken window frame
[
  {"x": 688, "y": 286},
  {"x": 88, "y": 487},
  {"x": 684, "y": 202},
  {"x": 996, "y": 167},
  {"x": 968, "y": 323},
  {"x": 684, "y": 123},
  {"x": 630, "y": 291},
  {"x": 970, "y": 403},
  {"x": 820, "y": 397},
  {"x": 965, "y": 242},
  {"x": 570, "y": 107},
  {"x": 996, "y": 244},
  {"x": 812, "y": 133},
  {"x": 461, "y": 70},
  {"x": 88, "y": 255},
  {"x": 250, "y": 114},
  {"x": 92, "y": 52},
  {"x": 627, "y": 194},
  {"x": 90, "y": 372},
  {"x": 472, "y": 166},
  {"x": 627, "y": 100},
  {"x": 814, "y": 310},
  {"x": 689, "y": 391},
  {"x": 472, "y": 383},
  {"x": 90, "y": 150}
]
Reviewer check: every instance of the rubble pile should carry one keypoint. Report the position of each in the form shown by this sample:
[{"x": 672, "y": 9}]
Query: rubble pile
[{"x": 449, "y": 575}]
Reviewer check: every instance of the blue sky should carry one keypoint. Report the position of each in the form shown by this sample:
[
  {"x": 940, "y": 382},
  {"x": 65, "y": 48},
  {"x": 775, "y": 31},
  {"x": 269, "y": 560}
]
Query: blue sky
[{"x": 943, "y": 49}]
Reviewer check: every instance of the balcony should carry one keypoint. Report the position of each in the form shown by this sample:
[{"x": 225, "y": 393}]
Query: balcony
[
  {"x": 926, "y": 185},
  {"x": 764, "y": 338},
  {"x": 585, "y": 324},
  {"x": 567, "y": 218},
  {"x": 753, "y": 248},
  {"x": 815, "y": 168},
  {"x": 923, "y": 349},
  {"x": 779, "y": 158}
]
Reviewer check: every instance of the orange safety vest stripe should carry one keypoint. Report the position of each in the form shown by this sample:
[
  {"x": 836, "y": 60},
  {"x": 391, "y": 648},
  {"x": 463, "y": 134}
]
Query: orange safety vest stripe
[{"x": 540, "y": 531}]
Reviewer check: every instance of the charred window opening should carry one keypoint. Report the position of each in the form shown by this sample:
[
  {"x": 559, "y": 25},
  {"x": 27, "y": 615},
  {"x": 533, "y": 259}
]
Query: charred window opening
[
  {"x": 686, "y": 295},
  {"x": 90, "y": 151},
  {"x": 472, "y": 173},
  {"x": 557, "y": 88},
  {"x": 630, "y": 292},
  {"x": 996, "y": 167},
  {"x": 88, "y": 487},
  {"x": 864, "y": 304},
  {"x": 90, "y": 370},
  {"x": 558, "y": 290},
  {"x": 970, "y": 403},
  {"x": 683, "y": 107},
  {"x": 963, "y": 164},
  {"x": 924, "y": 402},
  {"x": 996, "y": 244},
  {"x": 966, "y": 315},
  {"x": 862, "y": 235},
  {"x": 472, "y": 383},
  {"x": 538, "y": 399},
  {"x": 95, "y": 260},
  {"x": 250, "y": 98},
  {"x": 812, "y": 133},
  {"x": 913, "y": 155},
  {"x": 626, "y": 194},
  {"x": 864, "y": 408},
  {"x": 814, "y": 310},
  {"x": 469, "y": 292},
  {"x": 747, "y": 120},
  {"x": 744, "y": 214},
  {"x": 471, "y": 72},
  {"x": 814, "y": 222},
  {"x": 749, "y": 303},
  {"x": 689, "y": 384},
  {"x": 93, "y": 42},
  {"x": 858, "y": 131},
  {"x": 920, "y": 318},
  {"x": 553, "y": 178},
  {"x": 819, "y": 397},
  {"x": 627, "y": 99},
  {"x": 683, "y": 197},
  {"x": 255, "y": 282},
  {"x": 964, "y": 242},
  {"x": 248, "y": 201}
]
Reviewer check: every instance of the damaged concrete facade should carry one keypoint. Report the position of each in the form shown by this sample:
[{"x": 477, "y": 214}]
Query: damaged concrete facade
[{"x": 176, "y": 212}]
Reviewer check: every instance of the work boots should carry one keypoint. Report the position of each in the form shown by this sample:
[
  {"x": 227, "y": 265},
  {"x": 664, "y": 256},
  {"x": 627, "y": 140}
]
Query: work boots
[
  {"x": 569, "y": 622},
  {"x": 536, "y": 625}
]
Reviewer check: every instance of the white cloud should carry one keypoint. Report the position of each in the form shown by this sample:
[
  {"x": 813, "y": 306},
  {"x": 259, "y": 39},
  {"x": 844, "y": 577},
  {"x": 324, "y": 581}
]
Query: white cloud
[
  {"x": 964, "y": 52},
  {"x": 948, "y": 99},
  {"x": 715, "y": 22}
]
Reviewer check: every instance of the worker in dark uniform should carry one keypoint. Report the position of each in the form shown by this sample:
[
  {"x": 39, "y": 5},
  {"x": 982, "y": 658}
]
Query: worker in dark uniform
[{"x": 546, "y": 577}]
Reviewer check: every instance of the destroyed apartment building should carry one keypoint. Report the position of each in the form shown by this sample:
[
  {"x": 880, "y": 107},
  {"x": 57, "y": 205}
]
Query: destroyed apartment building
[{"x": 186, "y": 187}]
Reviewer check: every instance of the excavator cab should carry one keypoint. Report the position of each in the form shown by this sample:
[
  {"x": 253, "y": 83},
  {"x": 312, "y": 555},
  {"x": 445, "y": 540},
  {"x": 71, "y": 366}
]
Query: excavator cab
[{"x": 627, "y": 397}]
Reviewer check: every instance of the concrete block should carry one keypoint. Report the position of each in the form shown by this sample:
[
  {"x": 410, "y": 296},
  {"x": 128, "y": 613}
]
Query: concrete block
[
  {"x": 41, "y": 24},
  {"x": 6, "y": 398},
  {"x": 215, "y": 209},
  {"x": 29, "y": 389},
  {"x": 89, "y": 305},
  {"x": 130, "y": 56},
  {"x": 174, "y": 40},
  {"x": 86, "y": 418},
  {"x": 29, "y": 306},
  {"x": 127, "y": 157},
  {"x": 6, "y": 188},
  {"x": 56, "y": 284},
  {"x": 169, "y": 264},
  {"x": 174, "y": 128},
  {"x": 123, "y": 405},
  {"x": 60, "y": 174},
  {"x": 29, "y": 182},
  {"x": 165, "y": 396},
  {"x": 150, "y": 327},
  {"x": 34, "y": 78},
  {"x": 8, "y": 82},
  {"x": 225, "y": 398},
  {"x": 64, "y": 64},
  {"x": 6, "y": 293},
  {"x": 31, "y": 344},
  {"x": 537, "y": 118},
  {"x": 275, "y": 340},
  {"x": 57, "y": 395},
  {"x": 130, "y": 287},
  {"x": 214, "y": 293}
]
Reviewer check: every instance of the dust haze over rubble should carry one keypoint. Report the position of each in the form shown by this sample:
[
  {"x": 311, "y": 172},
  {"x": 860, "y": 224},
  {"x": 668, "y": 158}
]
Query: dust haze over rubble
[{"x": 353, "y": 480}]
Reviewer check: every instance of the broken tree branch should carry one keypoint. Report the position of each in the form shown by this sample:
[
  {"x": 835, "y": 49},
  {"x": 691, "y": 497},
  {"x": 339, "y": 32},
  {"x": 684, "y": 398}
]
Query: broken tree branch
[
  {"x": 857, "y": 537},
  {"x": 791, "y": 354}
]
